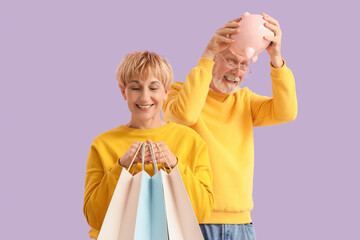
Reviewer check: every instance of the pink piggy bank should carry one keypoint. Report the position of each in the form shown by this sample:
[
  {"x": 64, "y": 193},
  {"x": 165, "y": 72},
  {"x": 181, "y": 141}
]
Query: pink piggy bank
[{"x": 249, "y": 40}]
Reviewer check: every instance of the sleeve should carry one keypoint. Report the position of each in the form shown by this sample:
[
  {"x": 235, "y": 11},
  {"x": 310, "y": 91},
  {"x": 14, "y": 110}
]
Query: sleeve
[
  {"x": 198, "y": 182},
  {"x": 185, "y": 101},
  {"x": 99, "y": 187},
  {"x": 280, "y": 108}
]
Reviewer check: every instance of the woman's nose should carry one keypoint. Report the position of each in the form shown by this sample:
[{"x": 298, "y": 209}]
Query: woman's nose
[{"x": 145, "y": 95}]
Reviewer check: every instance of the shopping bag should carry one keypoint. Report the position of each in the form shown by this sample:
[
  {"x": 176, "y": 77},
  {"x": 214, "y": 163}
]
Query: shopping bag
[
  {"x": 151, "y": 216},
  {"x": 120, "y": 218},
  {"x": 137, "y": 209},
  {"x": 181, "y": 219}
]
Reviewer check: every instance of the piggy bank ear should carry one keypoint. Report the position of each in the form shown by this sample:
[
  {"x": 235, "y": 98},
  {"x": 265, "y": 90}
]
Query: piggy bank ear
[
  {"x": 245, "y": 14},
  {"x": 254, "y": 58}
]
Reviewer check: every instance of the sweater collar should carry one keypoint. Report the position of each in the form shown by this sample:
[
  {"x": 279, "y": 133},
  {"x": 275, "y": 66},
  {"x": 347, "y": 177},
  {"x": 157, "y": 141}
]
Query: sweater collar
[
  {"x": 157, "y": 130},
  {"x": 221, "y": 97}
]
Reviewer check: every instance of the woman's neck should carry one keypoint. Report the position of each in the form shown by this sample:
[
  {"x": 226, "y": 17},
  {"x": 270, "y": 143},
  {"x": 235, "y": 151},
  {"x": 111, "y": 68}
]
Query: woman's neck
[{"x": 145, "y": 124}]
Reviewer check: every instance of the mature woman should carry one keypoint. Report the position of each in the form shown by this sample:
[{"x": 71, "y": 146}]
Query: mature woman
[{"x": 144, "y": 79}]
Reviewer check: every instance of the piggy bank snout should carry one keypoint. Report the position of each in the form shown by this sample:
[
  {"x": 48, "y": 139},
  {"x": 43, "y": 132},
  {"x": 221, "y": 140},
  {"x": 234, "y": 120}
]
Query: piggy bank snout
[
  {"x": 249, "y": 52},
  {"x": 250, "y": 39}
]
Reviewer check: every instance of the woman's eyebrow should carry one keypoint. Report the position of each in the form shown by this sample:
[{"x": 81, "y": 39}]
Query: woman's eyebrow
[
  {"x": 135, "y": 81},
  {"x": 155, "y": 82}
]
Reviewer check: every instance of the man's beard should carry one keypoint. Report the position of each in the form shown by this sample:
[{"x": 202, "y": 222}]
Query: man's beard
[{"x": 226, "y": 88}]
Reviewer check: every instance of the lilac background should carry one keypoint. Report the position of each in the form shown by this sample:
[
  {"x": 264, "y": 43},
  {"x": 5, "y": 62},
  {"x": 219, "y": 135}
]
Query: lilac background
[{"x": 58, "y": 91}]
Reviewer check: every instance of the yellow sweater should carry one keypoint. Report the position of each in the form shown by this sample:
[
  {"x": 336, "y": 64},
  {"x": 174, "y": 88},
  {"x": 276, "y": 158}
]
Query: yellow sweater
[
  {"x": 226, "y": 124},
  {"x": 103, "y": 171}
]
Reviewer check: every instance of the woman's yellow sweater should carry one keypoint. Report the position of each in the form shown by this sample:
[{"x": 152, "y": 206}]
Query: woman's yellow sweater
[{"x": 103, "y": 171}]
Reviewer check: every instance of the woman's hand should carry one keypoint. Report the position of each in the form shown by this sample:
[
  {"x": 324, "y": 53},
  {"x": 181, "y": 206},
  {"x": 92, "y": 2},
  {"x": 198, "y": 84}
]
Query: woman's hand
[
  {"x": 126, "y": 159},
  {"x": 157, "y": 149}
]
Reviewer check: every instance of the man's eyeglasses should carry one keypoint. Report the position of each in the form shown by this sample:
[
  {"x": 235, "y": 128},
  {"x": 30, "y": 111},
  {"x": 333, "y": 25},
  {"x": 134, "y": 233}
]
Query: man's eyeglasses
[{"x": 233, "y": 64}]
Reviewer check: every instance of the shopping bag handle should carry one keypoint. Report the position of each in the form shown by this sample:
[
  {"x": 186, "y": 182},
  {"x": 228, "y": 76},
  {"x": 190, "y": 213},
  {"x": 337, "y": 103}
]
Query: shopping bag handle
[
  {"x": 137, "y": 150},
  {"x": 153, "y": 158},
  {"x": 161, "y": 152},
  {"x": 143, "y": 146}
]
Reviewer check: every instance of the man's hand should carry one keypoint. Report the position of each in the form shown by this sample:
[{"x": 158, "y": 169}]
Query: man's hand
[
  {"x": 274, "y": 49},
  {"x": 220, "y": 41}
]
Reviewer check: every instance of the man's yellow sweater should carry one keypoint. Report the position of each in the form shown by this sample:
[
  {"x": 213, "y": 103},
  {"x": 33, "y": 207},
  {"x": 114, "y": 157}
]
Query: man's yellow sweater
[
  {"x": 103, "y": 170},
  {"x": 225, "y": 122}
]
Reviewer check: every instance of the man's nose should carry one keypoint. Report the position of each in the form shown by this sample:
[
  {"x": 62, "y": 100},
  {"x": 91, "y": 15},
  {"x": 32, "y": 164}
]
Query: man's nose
[{"x": 237, "y": 71}]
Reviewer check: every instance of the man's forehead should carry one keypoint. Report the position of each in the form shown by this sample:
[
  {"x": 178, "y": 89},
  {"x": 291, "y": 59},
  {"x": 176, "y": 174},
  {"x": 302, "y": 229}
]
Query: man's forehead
[{"x": 234, "y": 52}]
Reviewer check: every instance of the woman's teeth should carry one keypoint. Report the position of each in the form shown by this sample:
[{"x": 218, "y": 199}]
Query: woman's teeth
[{"x": 145, "y": 106}]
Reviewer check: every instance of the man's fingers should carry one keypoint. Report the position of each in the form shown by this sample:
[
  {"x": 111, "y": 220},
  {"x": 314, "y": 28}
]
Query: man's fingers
[
  {"x": 270, "y": 19},
  {"x": 227, "y": 31},
  {"x": 275, "y": 29},
  {"x": 222, "y": 39},
  {"x": 232, "y": 25},
  {"x": 235, "y": 20},
  {"x": 270, "y": 38}
]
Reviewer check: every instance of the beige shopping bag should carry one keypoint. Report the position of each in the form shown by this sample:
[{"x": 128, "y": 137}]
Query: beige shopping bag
[
  {"x": 120, "y": 218},
  {"x": 181, "y": 219}
]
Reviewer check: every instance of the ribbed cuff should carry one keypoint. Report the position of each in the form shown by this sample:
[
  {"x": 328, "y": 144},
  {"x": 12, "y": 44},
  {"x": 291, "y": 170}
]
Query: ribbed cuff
[
  {"x": 279, "y": 72},
  {"x": 115, "y": 171}
]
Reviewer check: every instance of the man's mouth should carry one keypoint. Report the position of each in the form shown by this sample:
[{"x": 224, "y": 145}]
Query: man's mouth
[
  {"x": 232, "y": 78},
  {"x": 144, "y": 106}
]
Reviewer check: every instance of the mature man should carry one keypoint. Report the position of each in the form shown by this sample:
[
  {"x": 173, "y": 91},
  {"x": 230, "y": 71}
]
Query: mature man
[{"x": 211, "y": 102}]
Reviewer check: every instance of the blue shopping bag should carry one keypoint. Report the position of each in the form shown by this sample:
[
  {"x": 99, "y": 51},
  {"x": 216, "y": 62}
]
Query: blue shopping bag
[{"x": 151, "y": 215}]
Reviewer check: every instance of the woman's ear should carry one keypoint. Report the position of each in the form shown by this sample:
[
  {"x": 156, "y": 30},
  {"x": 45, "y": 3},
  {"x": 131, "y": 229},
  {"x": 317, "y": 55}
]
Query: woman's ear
[
  {"x": 123, "y": 93},
  {"x": 166, "y": 94}
]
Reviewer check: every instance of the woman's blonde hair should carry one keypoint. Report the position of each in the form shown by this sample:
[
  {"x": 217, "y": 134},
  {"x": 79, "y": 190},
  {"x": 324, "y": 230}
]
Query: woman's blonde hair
[{"x": 140, "y": 65}]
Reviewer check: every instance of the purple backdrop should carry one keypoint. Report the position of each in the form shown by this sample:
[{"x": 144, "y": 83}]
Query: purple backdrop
[{"x": 58, "y": 91}]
